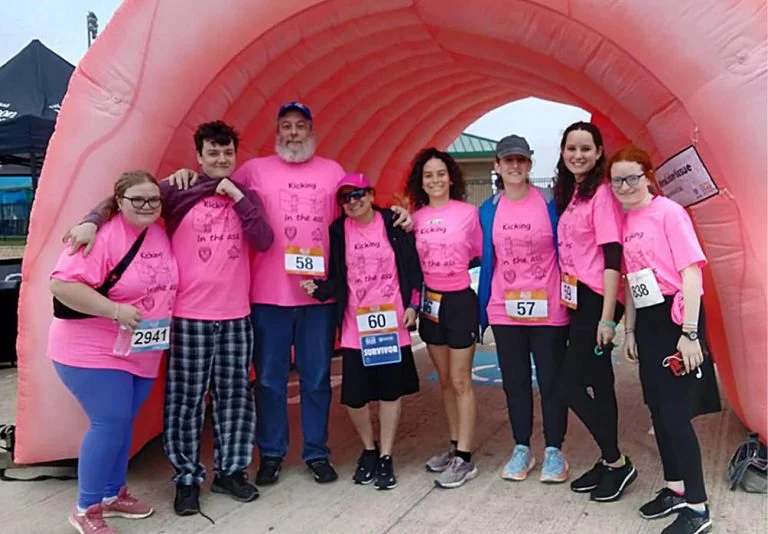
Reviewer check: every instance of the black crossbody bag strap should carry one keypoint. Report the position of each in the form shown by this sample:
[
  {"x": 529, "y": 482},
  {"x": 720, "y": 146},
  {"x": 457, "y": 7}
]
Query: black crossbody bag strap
[
  {"x": 114, "y": 276},
  {"x": 62, "y": 311}
]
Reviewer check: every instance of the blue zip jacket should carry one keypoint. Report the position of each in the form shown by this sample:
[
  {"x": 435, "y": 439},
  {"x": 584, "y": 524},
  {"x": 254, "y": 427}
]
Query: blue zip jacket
[{"x": 488, "y": 260}]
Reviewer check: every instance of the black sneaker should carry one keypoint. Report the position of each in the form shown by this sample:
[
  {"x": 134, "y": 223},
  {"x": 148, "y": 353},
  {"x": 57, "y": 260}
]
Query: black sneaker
[
  {"x": 322, "y": 470},
  {"x": 236, "y": 485},
  {"x": 187, "y": 500},
  {"x": 269, "y": 470},
  {"x": 613, "y": 482},
  {"x": 689, "y": 522},
  {"x": 666, "y": 502},
  {"x": 385, "y": 474},
  {"x": 366, "y": 466},
  {"x": 589, "y": 480}
]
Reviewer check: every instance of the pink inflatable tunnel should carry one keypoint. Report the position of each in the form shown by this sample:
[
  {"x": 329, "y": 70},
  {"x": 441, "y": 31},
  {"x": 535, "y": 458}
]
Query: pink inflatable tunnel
[{"x": 386, "y": 78}]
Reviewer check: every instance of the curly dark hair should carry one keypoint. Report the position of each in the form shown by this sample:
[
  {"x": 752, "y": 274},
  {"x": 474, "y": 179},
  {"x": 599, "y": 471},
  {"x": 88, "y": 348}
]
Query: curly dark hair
[
  {"x": 414, "y": 188},
  {"x": 218, "y": 132},
  {"x": 565, "y": 183}
]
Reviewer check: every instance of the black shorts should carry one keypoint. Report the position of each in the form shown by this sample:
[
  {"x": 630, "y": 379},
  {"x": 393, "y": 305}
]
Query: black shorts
[
  {"x": 458, "y": 320},
  {"x": 361, "y": 385}
]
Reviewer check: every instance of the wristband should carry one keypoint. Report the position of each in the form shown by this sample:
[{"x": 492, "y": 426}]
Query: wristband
[
  {"x": 609, "y": 324},
  {"x": 629, "y": 330}
]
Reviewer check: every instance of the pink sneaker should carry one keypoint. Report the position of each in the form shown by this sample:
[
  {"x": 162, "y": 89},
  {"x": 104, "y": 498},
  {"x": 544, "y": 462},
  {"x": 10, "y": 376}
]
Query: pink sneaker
[
  {"x": 91, "y": 522},
  {"x": 127, "y": 506}
]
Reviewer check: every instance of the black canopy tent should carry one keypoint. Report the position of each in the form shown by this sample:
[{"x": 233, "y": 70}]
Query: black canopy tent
[{"x": 32, "y": 86}]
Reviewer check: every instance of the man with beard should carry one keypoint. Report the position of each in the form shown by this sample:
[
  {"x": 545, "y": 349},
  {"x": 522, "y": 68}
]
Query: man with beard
[
  {"x": 212, "y": 225},
  {"x": 298, "y": 189}
]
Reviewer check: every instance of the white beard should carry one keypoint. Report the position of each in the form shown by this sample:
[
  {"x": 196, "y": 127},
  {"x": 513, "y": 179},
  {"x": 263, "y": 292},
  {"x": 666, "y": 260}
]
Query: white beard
[{"x": 296, "y": 155}]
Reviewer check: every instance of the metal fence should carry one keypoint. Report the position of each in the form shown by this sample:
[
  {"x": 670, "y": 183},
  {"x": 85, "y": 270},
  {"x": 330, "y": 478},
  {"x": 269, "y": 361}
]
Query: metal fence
[{"x": 14, "y": 219}]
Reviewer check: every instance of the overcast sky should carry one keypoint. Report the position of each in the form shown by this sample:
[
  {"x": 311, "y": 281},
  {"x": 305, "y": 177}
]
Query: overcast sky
[{"x": 61, "y": 26}]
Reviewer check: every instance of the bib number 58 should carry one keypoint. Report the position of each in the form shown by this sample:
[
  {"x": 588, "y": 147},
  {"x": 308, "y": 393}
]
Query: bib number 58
[{"x": 305, "y": 263}]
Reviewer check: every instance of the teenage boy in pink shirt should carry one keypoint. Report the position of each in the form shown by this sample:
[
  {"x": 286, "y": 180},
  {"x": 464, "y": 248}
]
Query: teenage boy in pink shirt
[
  {"x": 299, "y": 192},
  {"x": 212, "y": 225}
]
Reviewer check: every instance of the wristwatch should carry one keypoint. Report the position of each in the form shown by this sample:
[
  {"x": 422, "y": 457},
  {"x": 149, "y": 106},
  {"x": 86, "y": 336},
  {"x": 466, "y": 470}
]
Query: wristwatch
[{"x": 693, "y": 336}]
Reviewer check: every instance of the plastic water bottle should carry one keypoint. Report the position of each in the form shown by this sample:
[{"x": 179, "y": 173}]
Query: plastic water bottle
[{"x": 123, "y": 341}]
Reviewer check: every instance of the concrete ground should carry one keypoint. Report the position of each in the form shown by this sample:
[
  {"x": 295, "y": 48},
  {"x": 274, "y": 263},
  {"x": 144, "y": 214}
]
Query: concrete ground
[{"x": 486, "y": 505}]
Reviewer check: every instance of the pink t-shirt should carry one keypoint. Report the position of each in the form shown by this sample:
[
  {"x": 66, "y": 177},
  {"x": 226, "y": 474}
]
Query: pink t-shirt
[
  {"x": 525, "y": 259},
  {"x": 149, "y": 283},
  {"x": 214, "y": 264},
  {"x": 300, "y": 202},
  {"x": 583, "y": 228},
  {"x": 371, "y": 277},
  {"x": 447, "y": 238},
  {"x": 660, "y": 236}
]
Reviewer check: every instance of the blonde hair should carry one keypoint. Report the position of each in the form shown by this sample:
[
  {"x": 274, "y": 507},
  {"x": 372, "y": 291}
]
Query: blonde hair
[{"x": 127, "y": 180}]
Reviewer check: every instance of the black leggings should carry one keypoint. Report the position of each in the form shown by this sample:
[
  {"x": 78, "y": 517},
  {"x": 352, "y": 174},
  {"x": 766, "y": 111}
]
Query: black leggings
[
  {"x": 599, "y": 412},
  {"x": 679, "y": 449},
  {"x": 673, "y": 401},
  {"x": 514, "y": 347}
]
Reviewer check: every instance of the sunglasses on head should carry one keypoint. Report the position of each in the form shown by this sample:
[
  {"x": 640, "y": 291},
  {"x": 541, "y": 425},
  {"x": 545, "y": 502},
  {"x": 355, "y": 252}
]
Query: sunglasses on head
[
  {"x": 357, "y": 194},
  {"x": 632, "y": 180}
]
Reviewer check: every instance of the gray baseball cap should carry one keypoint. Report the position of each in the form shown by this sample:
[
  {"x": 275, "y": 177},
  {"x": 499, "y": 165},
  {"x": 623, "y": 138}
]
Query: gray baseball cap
[{"x": 513, "y": 145}]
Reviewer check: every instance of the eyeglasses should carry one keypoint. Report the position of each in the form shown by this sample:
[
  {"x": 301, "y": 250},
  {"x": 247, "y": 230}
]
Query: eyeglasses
[
  {"x": 139, "y": 202},
  {"x": 631, "y": 180},
  {"x": 357, "y": 194}
]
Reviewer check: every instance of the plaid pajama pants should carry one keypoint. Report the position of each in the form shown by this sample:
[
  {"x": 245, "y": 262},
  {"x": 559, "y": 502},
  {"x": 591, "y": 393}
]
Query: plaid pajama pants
[{"x": 213, "y": 356}]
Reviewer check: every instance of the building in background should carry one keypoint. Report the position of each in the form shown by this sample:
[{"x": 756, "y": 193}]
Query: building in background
[{"x": 475, "y": 155}]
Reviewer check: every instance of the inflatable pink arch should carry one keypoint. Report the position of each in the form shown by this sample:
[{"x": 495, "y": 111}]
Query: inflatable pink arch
[{"x": 386, "y": 78}]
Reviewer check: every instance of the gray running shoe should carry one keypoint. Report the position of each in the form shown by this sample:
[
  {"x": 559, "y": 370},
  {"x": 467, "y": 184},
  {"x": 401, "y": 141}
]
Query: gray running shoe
[
  {"x": 440, "y": 462},
  {"x": 457, "y": 473}
]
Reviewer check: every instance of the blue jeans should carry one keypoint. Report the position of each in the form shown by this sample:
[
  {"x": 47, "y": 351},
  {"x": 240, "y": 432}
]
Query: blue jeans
[
  {"x": 111, "y": 399},
  {"x": 310, "y": 330}
]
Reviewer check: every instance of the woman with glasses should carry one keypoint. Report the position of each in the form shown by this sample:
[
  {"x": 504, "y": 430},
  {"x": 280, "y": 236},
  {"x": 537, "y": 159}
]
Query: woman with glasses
[
  {"x": 589, "y": 248},
  {"x": 374, "y": 276},
  {"x": 448, "y": 238},
  {"x": 664, "y": 329},
  {"x": 519, "y": 295},
  {"x": 112, "y": 312}
]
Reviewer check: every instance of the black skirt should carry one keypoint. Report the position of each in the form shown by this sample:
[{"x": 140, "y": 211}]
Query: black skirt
[
  {"x": 361, "y": 385},
  {"x": 657, "y": 336}
]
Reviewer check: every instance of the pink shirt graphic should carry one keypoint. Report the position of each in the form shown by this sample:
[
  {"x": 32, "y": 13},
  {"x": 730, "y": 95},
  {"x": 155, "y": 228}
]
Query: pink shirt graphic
[
  {"x": 300, "y": 202},
  {"x": 660, "y": 236},
  {"x": 214, "y": 264},
  {"x": 371, "y": 277},
  {"x": 149, "y": 283},
  {"x": 525, "y": 259},
  {"x": 583, "y": 228},
  {"x": 447, "y": 238}
]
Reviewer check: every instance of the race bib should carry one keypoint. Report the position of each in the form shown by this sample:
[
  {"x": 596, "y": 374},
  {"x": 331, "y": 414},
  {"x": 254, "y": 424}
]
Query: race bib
[
  {"x": 151, "y": 334},
  {"x": 569, "y": 291},
  {"x": 644, "y": 288},
  {"x": 377, "y": 319},
  {"x": 379, "y": 340},
  {"x": 304, "y": 261},
  {"x": 527, "y": 305},
  {"x": 431, "y": 308}
]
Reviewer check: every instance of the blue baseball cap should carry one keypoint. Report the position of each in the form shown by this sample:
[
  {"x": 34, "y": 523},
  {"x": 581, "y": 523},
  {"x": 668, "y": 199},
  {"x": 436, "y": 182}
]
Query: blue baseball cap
[{"x": 294, "y": 106}]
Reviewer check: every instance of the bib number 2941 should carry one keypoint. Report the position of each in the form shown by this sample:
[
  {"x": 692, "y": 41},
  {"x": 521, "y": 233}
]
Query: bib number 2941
[{"x": 151, "y": 335}]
